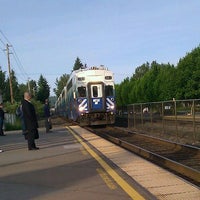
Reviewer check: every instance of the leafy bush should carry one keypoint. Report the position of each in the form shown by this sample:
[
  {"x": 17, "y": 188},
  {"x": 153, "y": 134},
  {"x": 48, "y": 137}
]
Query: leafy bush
[{"x": 15, "y": 126}]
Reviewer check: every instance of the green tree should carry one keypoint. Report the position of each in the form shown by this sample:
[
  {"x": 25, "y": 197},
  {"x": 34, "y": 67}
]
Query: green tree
[
  {"x": 153, "y": 82},
  {"x": 43, "y": 91},
  {"x": 15, "y": 87},
  {"x": 125, "y": 91},
  {"x": 32, "y": 85},
  {"x": 77, "y": 64},
  {"x": 118, "y": 95},
  {"x": 132, "y": 86},
  {"x": 141, "y": 71},
  {"x": 188, "y": 83},
  {"x": 7, "y": 91},
  {"x": 164, "y": 84},
  {"x": 147, "y": 87},
  {"x": 60, "y": 84},
  {"x": 22, "y": 88}
]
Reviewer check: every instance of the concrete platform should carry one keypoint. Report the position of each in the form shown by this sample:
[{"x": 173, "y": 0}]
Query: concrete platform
[
  {"x": 61, "y": 169},
  {"x": 73, "y": 163}
]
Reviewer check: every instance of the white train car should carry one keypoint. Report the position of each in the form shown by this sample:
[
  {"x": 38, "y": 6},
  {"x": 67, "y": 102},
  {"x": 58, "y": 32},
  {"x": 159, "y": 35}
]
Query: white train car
[{"x": 90, "y": 96}]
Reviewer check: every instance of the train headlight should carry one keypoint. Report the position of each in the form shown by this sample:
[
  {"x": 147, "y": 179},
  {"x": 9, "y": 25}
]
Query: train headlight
[
  {"x": 112, "y": 107},
  {"x": 81, "y": 108}
]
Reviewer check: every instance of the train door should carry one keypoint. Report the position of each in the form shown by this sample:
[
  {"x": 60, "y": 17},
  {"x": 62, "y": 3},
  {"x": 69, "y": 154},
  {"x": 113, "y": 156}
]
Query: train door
[{"x": 96, "y": 96}]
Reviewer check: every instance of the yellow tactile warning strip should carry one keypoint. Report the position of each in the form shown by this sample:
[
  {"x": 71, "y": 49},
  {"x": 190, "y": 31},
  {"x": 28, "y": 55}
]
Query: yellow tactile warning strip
[
  {"x": 106, "y": 179},
  {"x": 120, "y": 181},
  {"x": 159, "y": 182}
]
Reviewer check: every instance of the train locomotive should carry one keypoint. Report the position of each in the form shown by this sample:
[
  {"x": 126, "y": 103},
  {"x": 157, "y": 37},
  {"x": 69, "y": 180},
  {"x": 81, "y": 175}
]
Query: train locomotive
[{"x": 88, "y": 97}]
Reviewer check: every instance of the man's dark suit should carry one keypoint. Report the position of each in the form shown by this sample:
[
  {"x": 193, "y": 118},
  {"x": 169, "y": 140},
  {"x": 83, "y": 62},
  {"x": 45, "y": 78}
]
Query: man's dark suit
[{"x": 31, "y": 123}]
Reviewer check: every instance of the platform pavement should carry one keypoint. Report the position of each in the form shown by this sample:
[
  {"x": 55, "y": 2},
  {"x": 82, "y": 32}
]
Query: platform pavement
[{"x": 61, "y": 169}]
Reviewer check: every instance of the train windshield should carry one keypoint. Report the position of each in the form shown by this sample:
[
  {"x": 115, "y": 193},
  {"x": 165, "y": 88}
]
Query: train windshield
[
  {"x": 96, "y": 91},
  {"x": 109, "y": 90},
  {"x": 82, "y": 91}
]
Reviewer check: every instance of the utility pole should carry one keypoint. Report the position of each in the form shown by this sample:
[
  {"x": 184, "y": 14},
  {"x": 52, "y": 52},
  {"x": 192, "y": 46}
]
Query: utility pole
[
  {"x": 10, "y": 75},
  {"x": 29, "y": 88}
]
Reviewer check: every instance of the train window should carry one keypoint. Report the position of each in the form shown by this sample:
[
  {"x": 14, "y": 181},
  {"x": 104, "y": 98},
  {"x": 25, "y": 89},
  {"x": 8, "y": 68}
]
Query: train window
[
  {"x": 108, "y": 77},
  {"x": 95, "y": 91},
  {"x": 82, "y": 91},
  {"x": 69, "y": 85},
  {"x": 109, "y": 90}
]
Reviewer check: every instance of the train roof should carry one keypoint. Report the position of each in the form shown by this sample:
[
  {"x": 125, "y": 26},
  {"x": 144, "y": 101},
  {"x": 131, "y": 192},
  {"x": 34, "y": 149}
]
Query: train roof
[
  {"x": 92, "y": 71},
  {"x": 101, "y": 67}
]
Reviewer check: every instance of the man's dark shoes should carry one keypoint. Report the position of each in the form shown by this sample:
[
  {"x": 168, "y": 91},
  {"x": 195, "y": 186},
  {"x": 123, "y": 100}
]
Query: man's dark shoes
[{"x": 34, "y": 148}]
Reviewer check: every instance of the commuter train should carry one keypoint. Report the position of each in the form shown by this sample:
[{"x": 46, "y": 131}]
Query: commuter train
[{"x": 88, "y": 97}]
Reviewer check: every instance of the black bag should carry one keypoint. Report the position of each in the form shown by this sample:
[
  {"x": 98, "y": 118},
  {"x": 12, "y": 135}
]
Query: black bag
[
  {"x": 25, "y": 135},
  {"x": 50, "y": 125}
]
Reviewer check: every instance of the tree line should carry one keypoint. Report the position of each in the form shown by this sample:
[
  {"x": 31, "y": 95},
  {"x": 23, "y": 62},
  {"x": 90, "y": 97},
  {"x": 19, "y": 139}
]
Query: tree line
[
  {"x": 39, "y": 89},
  {"x": 153, "y": 82}
]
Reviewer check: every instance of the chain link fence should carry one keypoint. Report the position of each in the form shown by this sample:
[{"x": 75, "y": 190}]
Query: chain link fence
[{"x": 177, "y": 119}]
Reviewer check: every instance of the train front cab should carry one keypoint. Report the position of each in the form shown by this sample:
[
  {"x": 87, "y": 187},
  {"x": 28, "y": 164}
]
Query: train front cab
[{"x": 98, "y": 105}]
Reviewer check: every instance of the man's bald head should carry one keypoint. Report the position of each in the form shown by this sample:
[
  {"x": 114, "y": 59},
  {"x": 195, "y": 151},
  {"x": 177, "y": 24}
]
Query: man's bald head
[{"x": 27, "y": 96}]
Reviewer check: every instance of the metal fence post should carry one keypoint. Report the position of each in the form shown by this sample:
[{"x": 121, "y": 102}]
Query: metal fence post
[
  {"x": 175, "y": 114},
  {"x": 151, "y": 116},
  {"x": 134, "y": 116},
  {"x": 193, "y": 112},
  {"x": 141, "y": 115},
  {"x": 128, "y": 115},
  {"x": 163, "y": 128}
]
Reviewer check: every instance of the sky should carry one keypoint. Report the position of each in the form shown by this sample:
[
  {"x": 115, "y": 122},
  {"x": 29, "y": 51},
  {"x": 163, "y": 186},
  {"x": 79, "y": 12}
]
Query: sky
[{"x": 48, "y": 35}]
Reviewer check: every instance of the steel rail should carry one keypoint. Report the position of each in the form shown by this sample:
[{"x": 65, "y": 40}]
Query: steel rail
[{"x": 187, "y": 172}]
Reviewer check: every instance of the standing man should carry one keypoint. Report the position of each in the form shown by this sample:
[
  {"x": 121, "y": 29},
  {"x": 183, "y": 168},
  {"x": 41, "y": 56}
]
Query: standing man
[
  {"x": 30, "y": 121},
  {"x": 47, "y": 116},
  {"x": 1, "y": 119}
]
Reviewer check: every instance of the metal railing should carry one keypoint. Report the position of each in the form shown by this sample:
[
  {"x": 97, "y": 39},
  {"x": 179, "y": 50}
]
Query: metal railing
[
  {"x": 10, "y": 118},
  {"x": 176, "y": 118}
]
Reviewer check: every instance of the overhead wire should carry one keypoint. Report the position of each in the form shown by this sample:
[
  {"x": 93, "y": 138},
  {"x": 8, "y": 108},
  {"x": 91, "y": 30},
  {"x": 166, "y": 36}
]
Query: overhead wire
[
  {"x": 19, "y": 64},
  {"x": 2, "y": 42},
  {"x": 15, "y": 56},
  {"x": 5, "y": 37},
  {"x": 2, "y": 49}
]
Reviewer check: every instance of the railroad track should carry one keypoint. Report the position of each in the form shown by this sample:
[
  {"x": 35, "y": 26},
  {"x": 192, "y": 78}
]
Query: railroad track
[{"x": 184, "y": 160}]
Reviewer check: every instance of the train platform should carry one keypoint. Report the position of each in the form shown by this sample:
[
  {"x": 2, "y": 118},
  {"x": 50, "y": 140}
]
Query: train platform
[
  {"x": 73, "y": 163},
  {"x": 60, "y": 169}
]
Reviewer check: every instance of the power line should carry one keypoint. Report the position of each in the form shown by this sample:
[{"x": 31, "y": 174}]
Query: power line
[
  {"x": 5, "y": 38},
  {"x": 2, "y": 42},
  {"x": 19, "y": 64},
  {"x": 15, "y": 56}
]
